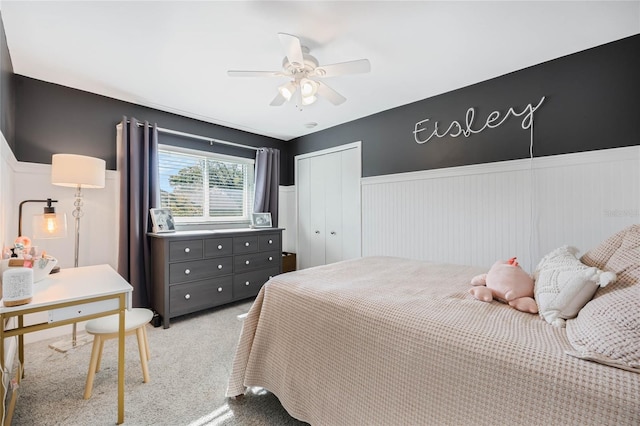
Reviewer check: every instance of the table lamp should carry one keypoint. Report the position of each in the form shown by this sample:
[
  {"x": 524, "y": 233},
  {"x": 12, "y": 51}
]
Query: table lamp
[{"x": 47, "y": 225}]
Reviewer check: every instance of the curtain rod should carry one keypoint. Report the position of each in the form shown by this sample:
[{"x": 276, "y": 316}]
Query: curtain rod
[{"x": 203, "y": 138}]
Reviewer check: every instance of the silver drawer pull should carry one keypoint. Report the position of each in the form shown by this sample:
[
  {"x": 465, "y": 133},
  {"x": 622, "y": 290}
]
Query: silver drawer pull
[
  {"x": 270, "y": 257},
  {"x": 219, "y": 246},
  {"x": 246, "y": 244},
  {"x": 219, "y": 266},
  {"x": 317, "y": 232},
  {"x": 219, "y": 289},
  {"x": 246, "y": 262},
  {"x": 187, "y": 296},
  {"x": 333, "y": 232},
  {"x": 270, "y": 241},
  {"x": 247, "y": 283},
  {"x": 187, "y": 271},
  {"x": 187, "y": 249}
]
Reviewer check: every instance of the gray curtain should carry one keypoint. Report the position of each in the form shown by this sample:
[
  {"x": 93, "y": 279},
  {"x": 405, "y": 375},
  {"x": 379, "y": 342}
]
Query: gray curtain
[
  {"x": 139, "y": 191},
  {"x": 267, "y": 179}
]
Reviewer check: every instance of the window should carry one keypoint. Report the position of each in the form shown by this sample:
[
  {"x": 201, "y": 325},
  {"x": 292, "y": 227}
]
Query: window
[{"x": 200, "y": 186}]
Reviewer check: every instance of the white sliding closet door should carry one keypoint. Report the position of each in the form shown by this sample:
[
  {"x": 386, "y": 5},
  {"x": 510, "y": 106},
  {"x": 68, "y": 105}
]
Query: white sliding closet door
[
  {"x": 318, "y": 202},
  {"x": 328, "y": 205},
  {"x": 304, "y": 231}
]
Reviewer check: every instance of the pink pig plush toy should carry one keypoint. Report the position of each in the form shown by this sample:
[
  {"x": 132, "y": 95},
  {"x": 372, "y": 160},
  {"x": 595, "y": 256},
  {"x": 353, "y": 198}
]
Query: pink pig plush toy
[{"x": 508, "y": 283}]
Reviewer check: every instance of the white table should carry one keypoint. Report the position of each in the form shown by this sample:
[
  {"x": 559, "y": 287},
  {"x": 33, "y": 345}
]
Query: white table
[{"x": 70, "y": 296}]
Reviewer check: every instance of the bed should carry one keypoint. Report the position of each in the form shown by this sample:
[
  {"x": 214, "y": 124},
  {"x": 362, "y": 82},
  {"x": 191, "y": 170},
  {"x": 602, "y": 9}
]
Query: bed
[{"x": 383, "y": 340}]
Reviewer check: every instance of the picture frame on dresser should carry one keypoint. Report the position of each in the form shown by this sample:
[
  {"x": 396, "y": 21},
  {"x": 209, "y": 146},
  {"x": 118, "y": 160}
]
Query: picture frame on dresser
[
  {"x": 261, "y": 220},
  {"x": 162, "y": 220}
]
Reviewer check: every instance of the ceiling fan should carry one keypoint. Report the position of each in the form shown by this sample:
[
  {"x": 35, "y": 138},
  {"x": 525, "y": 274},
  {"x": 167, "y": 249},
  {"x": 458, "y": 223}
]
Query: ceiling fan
[{"x": 304, "y": 74}]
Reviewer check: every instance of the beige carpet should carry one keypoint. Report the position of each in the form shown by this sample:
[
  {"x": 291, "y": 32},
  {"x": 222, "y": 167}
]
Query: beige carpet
[{"x": 189, "y": 367}]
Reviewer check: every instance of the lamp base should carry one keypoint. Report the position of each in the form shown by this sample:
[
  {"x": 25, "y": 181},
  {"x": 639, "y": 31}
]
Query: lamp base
[{"x": 65, "y": 345}]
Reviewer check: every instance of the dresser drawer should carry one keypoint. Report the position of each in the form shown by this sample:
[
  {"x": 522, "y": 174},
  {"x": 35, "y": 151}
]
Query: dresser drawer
[
  {"x": 248, "y": 262},
  {"x": 245, "y": 244},
  {"x": 185, "y": 250},
  {"x": 248, "y": 284},
  {"x": 218, "y": 247},
  {"x": 269, "y": 242},
  {"x": 198, "y": 295},
  {"x": 199, "y": 269}
]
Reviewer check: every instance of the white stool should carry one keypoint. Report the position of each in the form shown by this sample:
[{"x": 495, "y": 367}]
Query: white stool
[{"x": 106, "y": 328}]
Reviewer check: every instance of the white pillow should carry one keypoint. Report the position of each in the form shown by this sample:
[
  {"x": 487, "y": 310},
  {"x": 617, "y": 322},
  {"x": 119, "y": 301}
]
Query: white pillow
[
  {"x": 608, "y": 329},
  {"x": 563, "y": 285}
]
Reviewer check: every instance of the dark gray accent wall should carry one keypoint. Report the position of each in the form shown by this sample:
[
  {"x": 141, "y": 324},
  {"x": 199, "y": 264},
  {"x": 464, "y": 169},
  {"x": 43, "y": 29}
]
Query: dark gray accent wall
[
  {"x": 592, "y": 102},
  {"x": 7, "y": 91},
  {"x": 54, "y": 119}
]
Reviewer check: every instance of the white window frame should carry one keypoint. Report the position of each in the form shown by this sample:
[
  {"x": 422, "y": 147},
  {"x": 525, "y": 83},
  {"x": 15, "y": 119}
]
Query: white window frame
[{"x": 248, "y": 191}]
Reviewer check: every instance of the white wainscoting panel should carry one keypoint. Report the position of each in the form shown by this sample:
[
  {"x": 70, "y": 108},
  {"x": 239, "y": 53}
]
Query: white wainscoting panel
[
  {"x": 98, "y": 225},
  {"x": 7, "y": 230},
  {"x": 8, "y": 212},
  {"x": 481, "y": 213}
]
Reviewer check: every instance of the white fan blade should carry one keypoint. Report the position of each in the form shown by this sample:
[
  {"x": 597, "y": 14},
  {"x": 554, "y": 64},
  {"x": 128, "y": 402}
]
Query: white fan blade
[
  {"x": 293, "y": 49},
  {"x": 234, "y": 73},
  {"x": 352, "y": 67},
  {"x": 278, "y": 100},
  {"x": 330, "y": 94}
]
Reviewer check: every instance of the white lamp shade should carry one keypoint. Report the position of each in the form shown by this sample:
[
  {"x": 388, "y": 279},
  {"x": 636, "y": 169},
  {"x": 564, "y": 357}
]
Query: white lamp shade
[
  {"x": 73, "y": 170},
  {"x": 308, "y": 87},
  {"x": 308, "y": 100},
  {"x": 287, "y": 90}
]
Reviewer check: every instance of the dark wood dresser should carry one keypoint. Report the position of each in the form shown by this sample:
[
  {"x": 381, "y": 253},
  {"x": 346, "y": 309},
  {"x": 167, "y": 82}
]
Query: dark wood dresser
[{"x": 196, "y": 270}]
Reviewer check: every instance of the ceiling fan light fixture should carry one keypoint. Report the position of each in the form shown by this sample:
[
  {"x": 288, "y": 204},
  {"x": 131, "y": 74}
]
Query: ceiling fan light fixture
[
  {"x": 287, "y": 90},
  {"x": 308, "y": 87},
  {"x": 305, "y": 74},
  {"x": 308, "y": 100}
]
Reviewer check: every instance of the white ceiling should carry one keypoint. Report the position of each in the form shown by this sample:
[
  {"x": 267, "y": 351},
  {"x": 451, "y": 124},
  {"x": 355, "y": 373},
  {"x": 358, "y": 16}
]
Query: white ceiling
[{"x": 174, "y": 55}]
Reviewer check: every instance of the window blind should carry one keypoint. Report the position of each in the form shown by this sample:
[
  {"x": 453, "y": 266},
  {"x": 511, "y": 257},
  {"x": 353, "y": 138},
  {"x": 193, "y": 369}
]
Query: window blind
[{"x": 201, "y": 186}]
